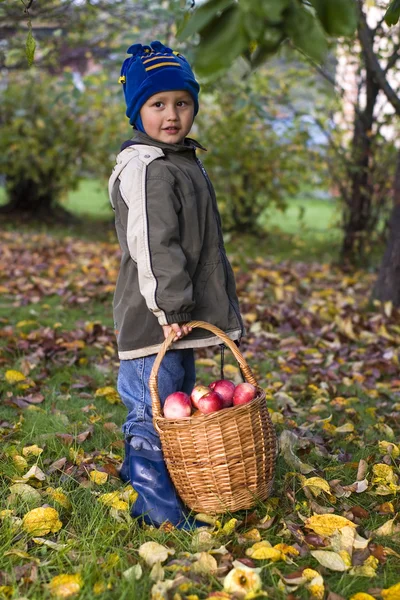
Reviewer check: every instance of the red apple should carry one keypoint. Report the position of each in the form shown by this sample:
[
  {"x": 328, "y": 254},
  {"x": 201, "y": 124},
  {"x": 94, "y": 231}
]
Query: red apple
[
  {"x": 210, "y": 403},
  {"x": 225, "y": 389},
  {"x": 244, "y": 392},
  {"x": 177, "y": 405},
  {"x": 197, "y": 393}
]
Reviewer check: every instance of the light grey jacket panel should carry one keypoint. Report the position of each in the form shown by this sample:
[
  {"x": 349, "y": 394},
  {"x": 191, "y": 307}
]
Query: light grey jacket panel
[{"x": 174, "y": 266}]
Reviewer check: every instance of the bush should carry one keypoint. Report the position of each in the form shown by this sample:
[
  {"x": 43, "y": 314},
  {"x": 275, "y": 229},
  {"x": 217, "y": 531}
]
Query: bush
[
  {"x": 261, "y": 147},
  {"x": 53, "y": 135}
]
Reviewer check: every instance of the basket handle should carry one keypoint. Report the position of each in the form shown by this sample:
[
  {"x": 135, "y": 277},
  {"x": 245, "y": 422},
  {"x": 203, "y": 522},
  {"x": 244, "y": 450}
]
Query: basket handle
[{"x": 153, "y": 385}]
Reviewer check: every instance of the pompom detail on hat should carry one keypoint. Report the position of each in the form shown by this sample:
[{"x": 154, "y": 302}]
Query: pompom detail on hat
[
  {"x": 159, "y": 47},
  {"x": 135, "y": 49}
]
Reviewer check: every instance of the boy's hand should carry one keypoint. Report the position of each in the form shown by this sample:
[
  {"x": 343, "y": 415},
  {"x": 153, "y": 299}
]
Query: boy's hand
[{"x": 180, "y": 329}]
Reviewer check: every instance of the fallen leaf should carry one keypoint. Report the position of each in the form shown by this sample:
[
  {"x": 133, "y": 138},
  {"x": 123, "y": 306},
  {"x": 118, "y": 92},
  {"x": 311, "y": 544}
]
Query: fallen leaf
[
  {"x": 64, "y": 586},
  {"x": 391, "y": 593},
  {"x": 205, "y": 565},
  {"x": 327, "y": 524},
  {"x": 330, "y": 560},
  {"x": 242, "y": 582},
  {"x": 26, "y": 493},
  {"x": 12, "y": 376},
  {"x": 32, "y": 450},
  {"x": 41, "y": 521},
  {"x": 152, "y": 552},
  {"x": 98, "y": 477}
]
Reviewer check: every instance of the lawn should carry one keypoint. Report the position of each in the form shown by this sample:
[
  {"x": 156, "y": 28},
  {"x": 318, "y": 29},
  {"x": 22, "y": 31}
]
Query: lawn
[{"x": 328, "y": 361}]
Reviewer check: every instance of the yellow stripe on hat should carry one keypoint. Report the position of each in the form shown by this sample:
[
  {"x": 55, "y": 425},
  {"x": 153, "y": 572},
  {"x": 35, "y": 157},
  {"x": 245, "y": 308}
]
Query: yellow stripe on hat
[
  {"x": 159, "y": 57},
  {"x": 164, "y": 64}
]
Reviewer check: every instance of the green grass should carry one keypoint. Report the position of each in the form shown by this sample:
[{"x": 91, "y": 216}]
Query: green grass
[
  {"x": 306, "y": 230},
  {"x": 295, "y": 314},
  {"x": 90, "y": 200}
]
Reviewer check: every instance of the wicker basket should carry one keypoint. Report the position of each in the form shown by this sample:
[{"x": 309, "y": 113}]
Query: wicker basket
[{"x": 220, "y": 462}]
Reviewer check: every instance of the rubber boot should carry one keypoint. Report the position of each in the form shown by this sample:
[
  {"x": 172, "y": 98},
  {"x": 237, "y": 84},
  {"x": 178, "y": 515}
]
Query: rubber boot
[
  {"x": 124, "y": 470},
  {"x": 157, "y": 500}
]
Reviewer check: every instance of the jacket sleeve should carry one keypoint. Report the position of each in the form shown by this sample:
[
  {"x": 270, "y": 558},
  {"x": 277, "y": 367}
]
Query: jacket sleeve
[{"x": 153, "y": 238}]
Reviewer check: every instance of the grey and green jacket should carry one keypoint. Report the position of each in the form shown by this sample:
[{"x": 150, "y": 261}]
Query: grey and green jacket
[{"x": 173, "y": 266}]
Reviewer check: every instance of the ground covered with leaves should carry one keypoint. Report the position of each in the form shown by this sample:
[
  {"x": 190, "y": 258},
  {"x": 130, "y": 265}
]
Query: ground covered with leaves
[{"x": 328, "y": 361}]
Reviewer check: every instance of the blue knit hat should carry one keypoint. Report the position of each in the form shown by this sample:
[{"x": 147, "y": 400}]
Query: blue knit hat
[{"x": 153, "y": 69}]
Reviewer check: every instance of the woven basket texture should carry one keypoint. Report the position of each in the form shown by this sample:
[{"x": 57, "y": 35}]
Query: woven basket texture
[{"x": 224, "y": 461}]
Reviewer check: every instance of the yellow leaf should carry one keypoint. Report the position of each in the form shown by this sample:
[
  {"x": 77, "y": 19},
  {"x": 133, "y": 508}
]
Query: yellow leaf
[
  {"x": 41, "y": 521},
  {"x": 316, "y": 588},
  {"x": 265, "y": 553},
  {"x": 392, "y": 593},
  {"x": 26, "y": 492},
  {"x": 129, "y": 494},
  {"x": 385, "y": 480},
  {"x": 32, "y": 450},
  {"x": 346, "y": 428},
  {"x": 26, "y": 323},
  {"x": 20, "y": 463},
  {"x": 110, "y": 394},
  {"x": 252, "y": 535},
  {"x": 206, "y": 362},
  {"x": 98, "y": 477},
  {"x": 389, "y": 448},
  {"x": 327, "y": 524},
  {"x": 152, "y": 552},
  {"x": 229, "y": 527},
  {"x": 362, "y": 596},
  {"x": 310, "y": 574},
  {"x": 329, "y": 560},
  {"x": 231, "y": 371},
  {"x": 242, "y": 582},
  {"x": 286, "y": 549},
  {"x": 133, "y": 573},
  {"x": 14, "y": 376},
  {"x": 368, "y": 569},
  {"x": 317, "y": 485},
  {"x": 64, "y": 586},
  {"x": 59, "y": 497},
  {"x": 205, "y": 565}
]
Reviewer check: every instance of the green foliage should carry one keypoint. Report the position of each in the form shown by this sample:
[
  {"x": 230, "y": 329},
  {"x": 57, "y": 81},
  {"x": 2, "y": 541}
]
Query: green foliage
[
  {"x": 252, "y": 163},
  {"x": 393, "y": 12},
  {"x": 52, "y": 134},
  {"x": 256, "y": 29}
]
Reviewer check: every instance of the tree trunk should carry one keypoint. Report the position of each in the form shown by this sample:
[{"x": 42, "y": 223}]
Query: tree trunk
[
  {"x": 25, "y": 197},
  {"x": 358, "y": 211},
  {"x": 359, "y": 207},
  {"x": 387, "y": 287}
]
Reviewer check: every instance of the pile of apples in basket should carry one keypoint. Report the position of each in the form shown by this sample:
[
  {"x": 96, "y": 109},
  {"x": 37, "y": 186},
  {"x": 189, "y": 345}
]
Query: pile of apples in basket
[{"x": 205, "y": 400}]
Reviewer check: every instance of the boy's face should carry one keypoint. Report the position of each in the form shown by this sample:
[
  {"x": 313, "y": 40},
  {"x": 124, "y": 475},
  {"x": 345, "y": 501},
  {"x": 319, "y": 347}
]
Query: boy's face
[{"x": 168, "y": 116}]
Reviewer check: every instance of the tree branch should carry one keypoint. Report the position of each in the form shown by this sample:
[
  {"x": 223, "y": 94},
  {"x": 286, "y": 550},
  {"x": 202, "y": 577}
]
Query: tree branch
[
  {"x": 393, "y": 58},
  {"x": 364, "y": 34}
]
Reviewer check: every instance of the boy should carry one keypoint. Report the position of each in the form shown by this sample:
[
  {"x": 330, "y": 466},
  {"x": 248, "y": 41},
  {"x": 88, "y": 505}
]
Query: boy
[{"x": 173, "y": 266}]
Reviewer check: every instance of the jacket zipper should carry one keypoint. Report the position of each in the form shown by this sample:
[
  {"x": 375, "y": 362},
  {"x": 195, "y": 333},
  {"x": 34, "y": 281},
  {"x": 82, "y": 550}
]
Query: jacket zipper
[{"x": 220, "y": 238}]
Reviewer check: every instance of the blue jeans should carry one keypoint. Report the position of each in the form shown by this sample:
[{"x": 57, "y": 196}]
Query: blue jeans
[{"x": 177, "y": 373}]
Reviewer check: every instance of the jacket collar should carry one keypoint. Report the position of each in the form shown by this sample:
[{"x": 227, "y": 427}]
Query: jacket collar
[{"x": 143, "y": 138}]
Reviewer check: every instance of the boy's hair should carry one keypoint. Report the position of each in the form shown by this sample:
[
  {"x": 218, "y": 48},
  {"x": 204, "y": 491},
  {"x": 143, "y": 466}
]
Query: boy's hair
[{"x": 153, "y": 69}]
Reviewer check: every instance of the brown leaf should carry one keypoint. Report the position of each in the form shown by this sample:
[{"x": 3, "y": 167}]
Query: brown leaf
[
  {"x": 248, "y": 562},
  {"x": 84, "y": 435},
  {"x": 333, "y": 596},
  {"x": 65, "y": 438},
  {"x": 57, "y": 465},
  {"x": 316, "y": 541},
  {"x": 359, "y": 512},
  {"x": 378, "y": 551}
]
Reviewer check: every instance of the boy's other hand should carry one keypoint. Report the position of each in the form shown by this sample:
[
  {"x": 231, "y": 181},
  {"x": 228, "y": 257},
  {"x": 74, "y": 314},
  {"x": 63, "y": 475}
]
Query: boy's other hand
[{"x": 181, "y": 329}]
